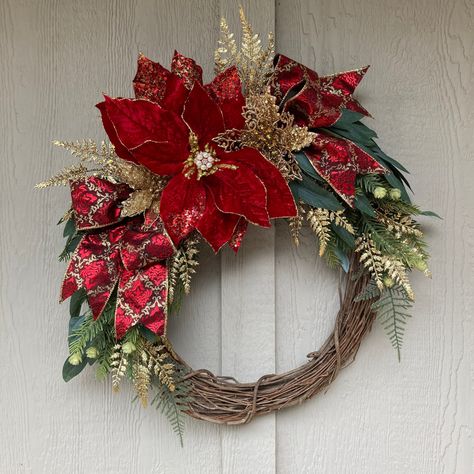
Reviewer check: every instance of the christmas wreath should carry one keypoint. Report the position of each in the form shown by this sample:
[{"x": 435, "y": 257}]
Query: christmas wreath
[{"x": 267, "y": 138}]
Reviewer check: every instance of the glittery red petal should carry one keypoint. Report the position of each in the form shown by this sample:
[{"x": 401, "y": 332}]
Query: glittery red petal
[
  {"x": 203, "y": 115},
  {"x": 183, "y": 202},
  {"x": 280, "y": 201},
  {"x": 150, "y": 80},
  {"x": 238, "y": 235},
  {"x": 226, "y": 90},
  {"x": 187, "y": 69},
  {"x": 315, "y": 101},
  {"x": 240, "y": 192}
]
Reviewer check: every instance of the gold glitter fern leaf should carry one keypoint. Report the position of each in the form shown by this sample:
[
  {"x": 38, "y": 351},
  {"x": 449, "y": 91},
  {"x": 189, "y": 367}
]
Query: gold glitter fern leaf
[{"x": 254, "y": 62}]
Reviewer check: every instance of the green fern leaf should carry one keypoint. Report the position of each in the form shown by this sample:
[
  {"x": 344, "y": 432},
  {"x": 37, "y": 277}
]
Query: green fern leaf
[
  {"x": 392, "y": 312},
  {"x": 173, "y": 406}
]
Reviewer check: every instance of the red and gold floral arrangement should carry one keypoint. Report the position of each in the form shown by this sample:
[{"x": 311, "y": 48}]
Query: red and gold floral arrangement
[{"x": 189, "y": 162}]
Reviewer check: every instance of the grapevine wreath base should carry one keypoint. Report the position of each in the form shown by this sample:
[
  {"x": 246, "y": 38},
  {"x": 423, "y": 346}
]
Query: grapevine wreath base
[
  {"x": 224, "y": 400},
  {"x": 193, "y": 163}
]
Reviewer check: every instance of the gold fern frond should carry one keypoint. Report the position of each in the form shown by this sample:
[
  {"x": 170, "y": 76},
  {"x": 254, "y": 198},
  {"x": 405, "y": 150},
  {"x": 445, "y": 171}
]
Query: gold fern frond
[
  {"x": 118, "y": 364},
  {"x": 89, "y": 150},
  {"x": 295, "y": 224},
  {"x": 319, "y": 222},
  {"x": 255, "y": 63},
  {"x": 158, "y": 357},
  {"x": 340, "y": 220},
  {"x": 371, "y": 258},
  {"x": 399, "y": 224},
  {"x": 181, "y": 267},
  {"x": 396, "y": 270},
  {"x": 141, "y": 377},
  {"x": 71, "y": 173}
]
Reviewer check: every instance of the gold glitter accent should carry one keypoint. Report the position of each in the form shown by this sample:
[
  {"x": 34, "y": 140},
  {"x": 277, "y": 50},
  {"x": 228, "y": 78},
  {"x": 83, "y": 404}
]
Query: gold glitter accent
[
  {"x": 255, "y": 63},
  {"x": 62, "y": 178},
  {"x": 270, "y": 132},
  {"x": 146, "y": 185},
  {"x": 320, "y": 222}
]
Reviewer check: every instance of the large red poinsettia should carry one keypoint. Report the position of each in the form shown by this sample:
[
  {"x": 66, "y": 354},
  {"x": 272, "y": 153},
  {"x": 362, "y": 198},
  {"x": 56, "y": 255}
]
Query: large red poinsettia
[{"x": 171, "y": 132}]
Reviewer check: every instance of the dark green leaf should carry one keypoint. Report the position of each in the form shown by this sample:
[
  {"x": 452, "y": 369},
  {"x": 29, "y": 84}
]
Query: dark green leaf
[
  {"x": 147, "y": 334},
  {"x": 345, "y": 236},
  {"x": 430, "y": 214},
  {"x": 306, "y": 166},
  {"x": 75, "y": 303},
  {"x": 75, "y": 323},
  {"x": 362, "y": 203},
  {"x": 311, "y": 193},
  {"x": 343, "y": 259},
  {"x": 70, "y": 371},
  {"x": 69, "y": 228}
]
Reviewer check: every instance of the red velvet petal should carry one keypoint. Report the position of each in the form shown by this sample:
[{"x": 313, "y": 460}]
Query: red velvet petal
[
  {"x": 150, "y": 80},
  {"x": 216, "y": 227},
  {"x": 175, "y": 95},
  {"x": 240, "y": 192},
  {"x": 142, "y": 298},
  {"x": 112, "y": 134},
  {"x": 187, "y": 69},
  {"x": 157, "y": 138},
  {"x": 280, "y": 201},
  {"x": 226, "y": 90},
  {"x": 163, "y": 158},
  {"x": 182, "y": 205},
  {"x": 203, "y": 115}
]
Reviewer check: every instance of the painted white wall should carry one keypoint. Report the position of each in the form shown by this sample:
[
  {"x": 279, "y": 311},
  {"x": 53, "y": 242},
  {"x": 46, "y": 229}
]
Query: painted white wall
[{"x": 267, "y": 308}]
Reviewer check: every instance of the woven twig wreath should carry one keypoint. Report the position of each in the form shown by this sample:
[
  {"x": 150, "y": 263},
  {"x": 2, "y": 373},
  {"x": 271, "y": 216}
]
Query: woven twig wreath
[
  {"x": 223, "y": 400},
  {"x": 266, "y": 139}
]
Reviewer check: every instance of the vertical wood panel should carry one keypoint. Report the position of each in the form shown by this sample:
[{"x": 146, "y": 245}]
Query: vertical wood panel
[
  {"x": 248, "y": 308},
  {"x": 382, "y": 416},
  {"x": 57, "y": 57}
]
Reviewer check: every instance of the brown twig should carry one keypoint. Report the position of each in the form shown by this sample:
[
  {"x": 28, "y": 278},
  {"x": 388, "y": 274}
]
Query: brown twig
[{"x": 224, "y": 400}]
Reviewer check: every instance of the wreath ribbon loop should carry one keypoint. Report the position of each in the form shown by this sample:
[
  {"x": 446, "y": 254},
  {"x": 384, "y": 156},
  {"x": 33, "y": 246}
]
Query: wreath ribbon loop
[{"x": 121, "y": 252}]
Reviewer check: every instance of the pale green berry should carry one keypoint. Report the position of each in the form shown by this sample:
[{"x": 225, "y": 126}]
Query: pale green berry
[
  {"x": 75, "y": 359},
  {"x": 388, "y": 282},
  {"x": 395, "y": 194},
  {"x": 92, "y": 352},
  {"x": 379, "y": 192},
  {"x": 128, "y": 347},
  {"x": 421, "y": 265}
]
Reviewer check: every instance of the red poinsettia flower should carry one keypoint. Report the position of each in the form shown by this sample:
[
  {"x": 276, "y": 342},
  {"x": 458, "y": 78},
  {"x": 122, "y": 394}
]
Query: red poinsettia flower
[{"x": 210, "y": 189}]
